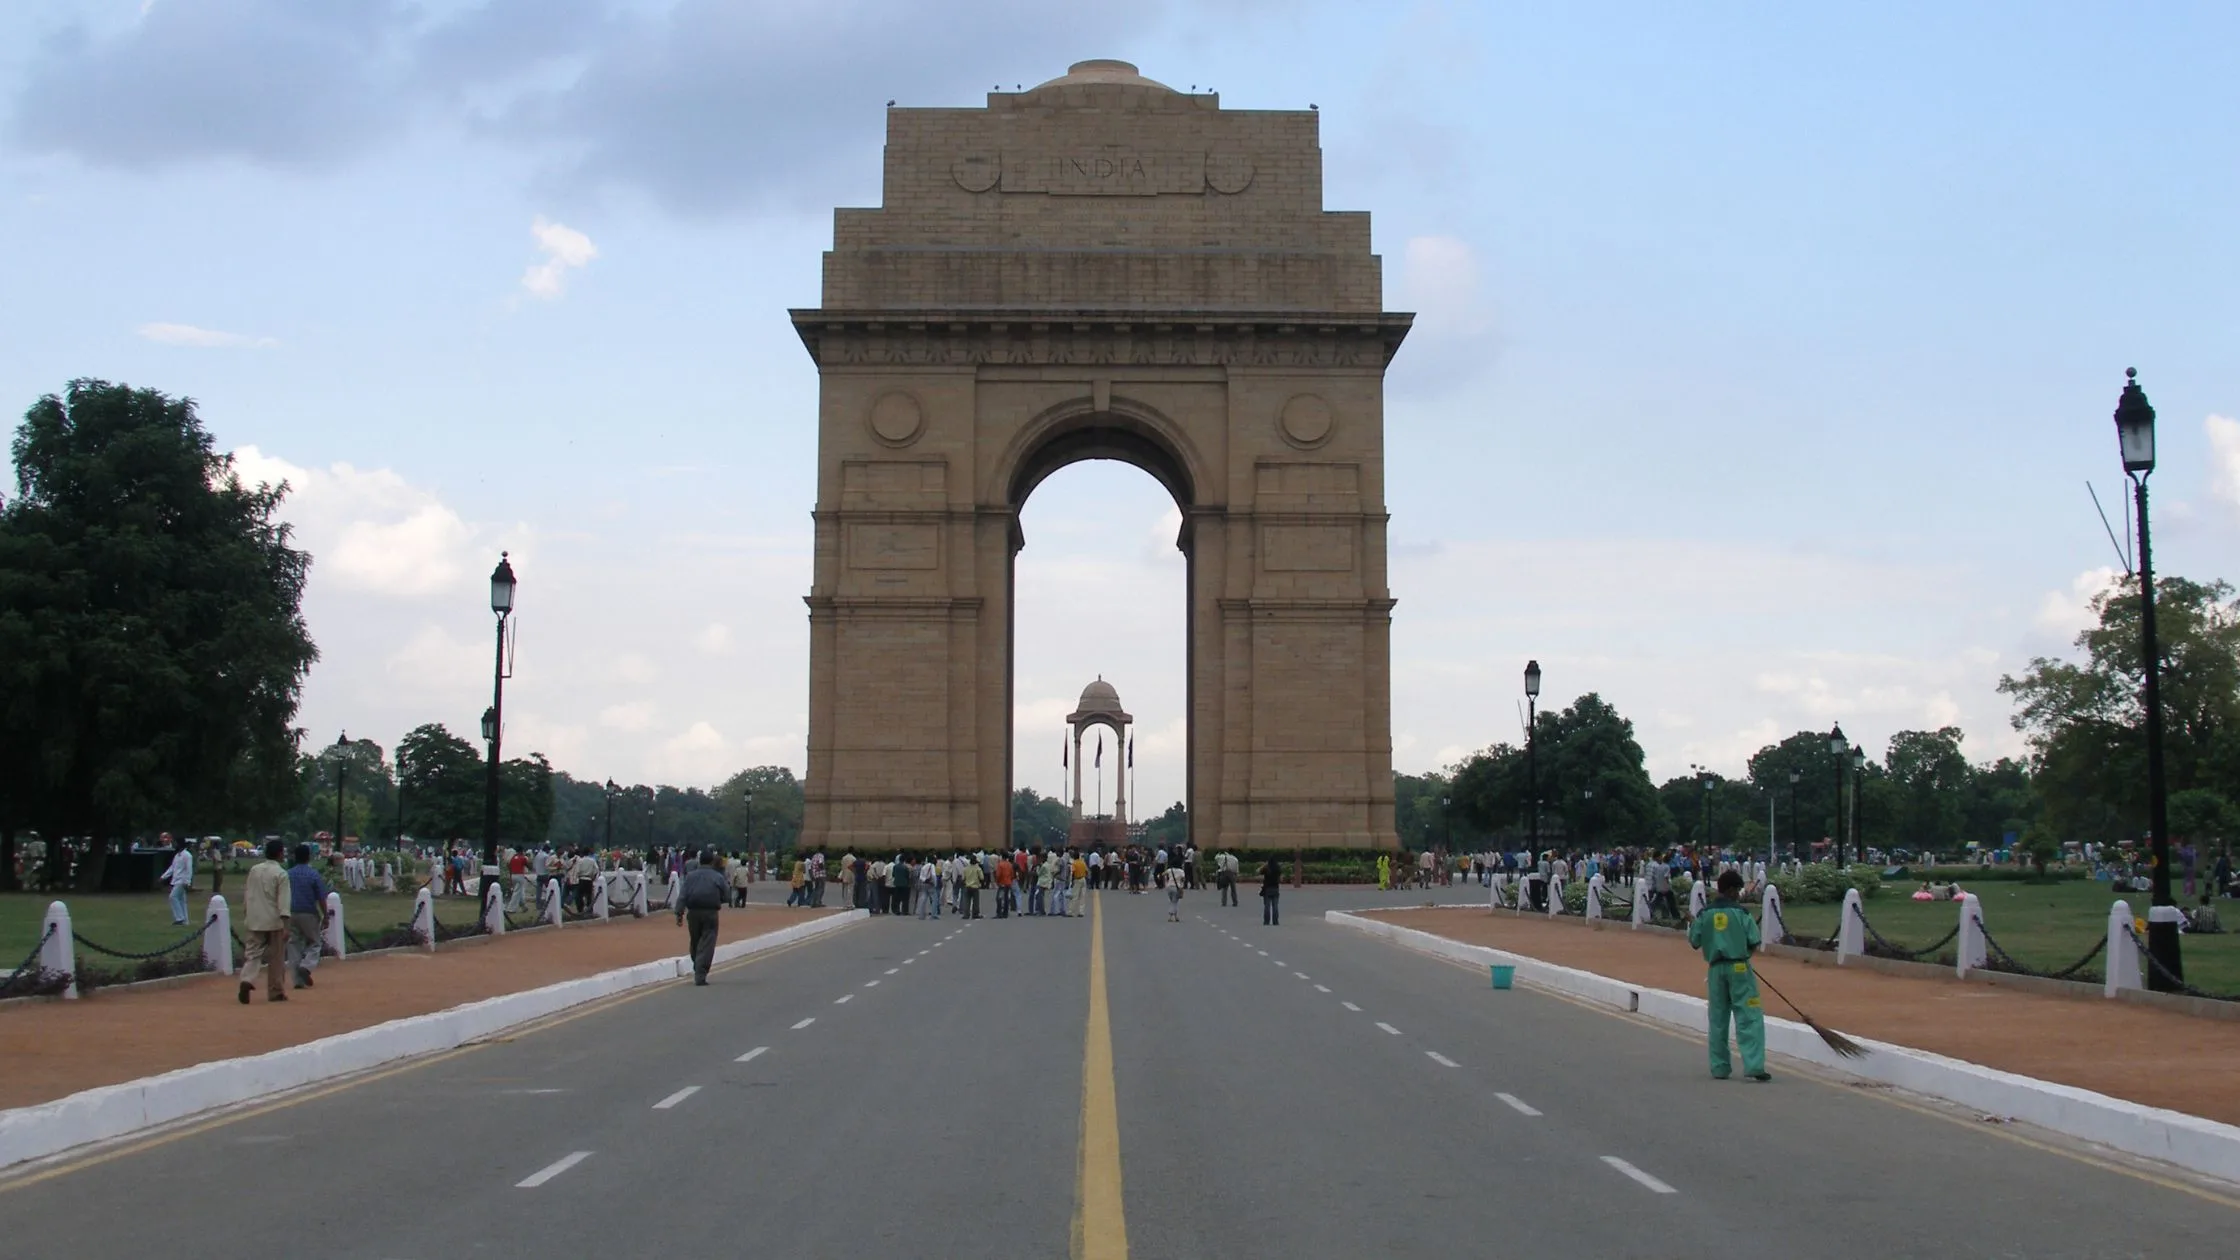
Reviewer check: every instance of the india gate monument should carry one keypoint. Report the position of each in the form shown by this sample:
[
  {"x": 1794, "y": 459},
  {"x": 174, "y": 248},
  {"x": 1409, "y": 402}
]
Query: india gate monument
[{"x": 1100, "y": 267}]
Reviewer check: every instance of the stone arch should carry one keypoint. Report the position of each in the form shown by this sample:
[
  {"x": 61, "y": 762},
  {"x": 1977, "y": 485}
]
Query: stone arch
[{"x": 1108, "y": 269}]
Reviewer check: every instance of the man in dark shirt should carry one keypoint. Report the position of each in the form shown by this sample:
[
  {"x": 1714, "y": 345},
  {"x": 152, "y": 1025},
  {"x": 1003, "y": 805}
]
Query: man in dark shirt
[
  {"x": 698, "y": 902},
  {"x": 1271, "y": 889},
  {"x": 307, "y": 918}
]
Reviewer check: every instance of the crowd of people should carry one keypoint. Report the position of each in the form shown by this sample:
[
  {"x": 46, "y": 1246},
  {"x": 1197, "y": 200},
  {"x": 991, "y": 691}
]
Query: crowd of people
[{"x": 1031, "y": 882}]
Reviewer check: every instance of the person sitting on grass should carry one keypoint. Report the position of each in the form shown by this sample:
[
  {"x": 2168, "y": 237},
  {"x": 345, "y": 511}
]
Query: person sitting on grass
[{"x": 2204, "y": 920}]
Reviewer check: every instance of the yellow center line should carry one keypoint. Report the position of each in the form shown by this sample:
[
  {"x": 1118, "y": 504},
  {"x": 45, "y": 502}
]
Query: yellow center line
[{"x": 1100, "y": 1225}]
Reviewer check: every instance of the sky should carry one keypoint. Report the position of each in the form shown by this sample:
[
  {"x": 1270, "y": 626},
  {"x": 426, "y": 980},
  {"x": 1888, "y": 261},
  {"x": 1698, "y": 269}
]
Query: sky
[{"x": 1762, "y": 356}]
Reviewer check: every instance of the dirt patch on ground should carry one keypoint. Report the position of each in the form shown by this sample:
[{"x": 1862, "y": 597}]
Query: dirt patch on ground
[
  {"x": 2159, "y": 1058},
  {"x": 52, "y": 1048}
]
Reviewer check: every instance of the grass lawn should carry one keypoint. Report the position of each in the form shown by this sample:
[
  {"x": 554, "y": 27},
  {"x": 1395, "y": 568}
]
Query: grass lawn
[
  {"x": 142, "y": 921},
  {"x": 2044, "y": 926}
]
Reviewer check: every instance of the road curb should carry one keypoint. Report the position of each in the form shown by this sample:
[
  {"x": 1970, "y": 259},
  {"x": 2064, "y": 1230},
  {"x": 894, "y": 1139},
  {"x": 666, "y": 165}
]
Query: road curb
[
  {"x": 112, "y": 1111},
  {"x": 2205, "y": 1146}
]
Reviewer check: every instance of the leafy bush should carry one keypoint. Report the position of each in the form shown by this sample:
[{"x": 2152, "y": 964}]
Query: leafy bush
[{"x": 1823, "y": 882}]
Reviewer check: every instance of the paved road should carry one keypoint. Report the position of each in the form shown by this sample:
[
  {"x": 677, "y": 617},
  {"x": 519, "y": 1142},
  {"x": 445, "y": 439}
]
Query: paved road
[{"x": 918, "y": 1089}]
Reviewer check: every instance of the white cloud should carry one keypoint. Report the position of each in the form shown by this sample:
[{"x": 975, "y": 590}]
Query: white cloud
[
  {"x": 564, "y": 250},
  {"x": 698, "y": 754},
  {"x": 2067, "y": 614},
  {"x": 433, "y": 662},
  {"x": 1439, "y": 281},
  {"x": 368, "y": 530},
  {"x": 633, "y": 668},
  {"x": 2224, "y": 449},
  {"x": 202, "y": 338},
  {"x": 715, "y": 639},
  {"x": 635, "y": 715}
]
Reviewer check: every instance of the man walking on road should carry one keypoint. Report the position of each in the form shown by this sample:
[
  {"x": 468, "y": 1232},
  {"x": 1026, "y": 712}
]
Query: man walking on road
[
  {"x": 264, "y": 916},
  {"x": 1727, "y": 935},
  {"x": 1225, "y": 876},
  {"x": 307, "y": 917},
  {"x": 1271, "y": 892},
  {"x": 180, "y": 875},
  {"x": 699, "y": 901}
]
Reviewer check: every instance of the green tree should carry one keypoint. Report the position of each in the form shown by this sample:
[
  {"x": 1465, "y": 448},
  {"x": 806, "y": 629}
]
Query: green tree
[
  {"x": 2085, "y": 723},
  {"x": 1929, "y": 779},
  {"x": 150, "y": 621},
  {"x": 777, "y": 807},
  {"x": 1590, "y": 782},
  {"x": 443, "y": 785},
  {"x": 1039, "y": 820},
  {"x": 1171, "y": 827}
]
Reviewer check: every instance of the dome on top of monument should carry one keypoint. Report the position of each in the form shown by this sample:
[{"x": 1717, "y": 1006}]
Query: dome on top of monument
[
  {"x": 1099, "y": 697},
  {"x": 1103, "y": 70}
]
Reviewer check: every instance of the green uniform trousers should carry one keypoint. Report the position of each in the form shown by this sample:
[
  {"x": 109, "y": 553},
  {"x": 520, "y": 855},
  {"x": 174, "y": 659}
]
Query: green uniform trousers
[{"x": 1733, "y": 989}]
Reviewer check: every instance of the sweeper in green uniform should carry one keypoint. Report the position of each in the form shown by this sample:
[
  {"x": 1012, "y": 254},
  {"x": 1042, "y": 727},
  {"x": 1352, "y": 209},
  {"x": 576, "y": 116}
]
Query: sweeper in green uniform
[{"x": 1727, "y": 935}]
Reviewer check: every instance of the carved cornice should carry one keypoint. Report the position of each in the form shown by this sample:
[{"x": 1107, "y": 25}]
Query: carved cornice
[{"x": 1046, "y": 338}]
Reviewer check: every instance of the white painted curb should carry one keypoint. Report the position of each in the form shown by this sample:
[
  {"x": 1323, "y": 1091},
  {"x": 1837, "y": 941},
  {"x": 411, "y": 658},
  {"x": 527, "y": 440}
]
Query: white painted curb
[
  {"x": 110, "y": 1111},
  {"x": 2205, "y": 1146}
]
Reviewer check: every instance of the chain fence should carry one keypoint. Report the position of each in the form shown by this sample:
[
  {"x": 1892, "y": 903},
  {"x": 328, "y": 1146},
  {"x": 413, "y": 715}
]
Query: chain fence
[
  {"x": 30, "y": 978},
  {"x": 2161, "y": 972},
  {"x": 2000, "y": 959},
  {"x": 129, "y": 956},
  {"x": 1881, "y": 946}
]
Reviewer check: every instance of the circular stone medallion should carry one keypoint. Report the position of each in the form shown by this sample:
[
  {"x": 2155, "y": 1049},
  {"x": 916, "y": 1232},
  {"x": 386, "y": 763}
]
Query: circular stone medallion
[
  {"x": 1228, "y": 172},
  {"x": 1306, "y": 420},
  {"x": 976, "y": 173},
  {"x": 896, "y": 419}
]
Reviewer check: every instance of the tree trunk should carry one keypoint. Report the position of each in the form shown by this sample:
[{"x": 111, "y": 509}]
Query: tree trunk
[
  {"x": 8, "y": 880},
  {"x": 93, "y": 863}
]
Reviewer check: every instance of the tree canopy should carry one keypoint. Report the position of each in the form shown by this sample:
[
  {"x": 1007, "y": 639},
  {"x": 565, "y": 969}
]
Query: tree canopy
[{"x": 152, "y": 646}]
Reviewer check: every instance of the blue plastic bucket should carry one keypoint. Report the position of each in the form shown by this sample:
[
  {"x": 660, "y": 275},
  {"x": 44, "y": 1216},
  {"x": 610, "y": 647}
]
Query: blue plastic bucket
[{"x": 1502, "y": 975}]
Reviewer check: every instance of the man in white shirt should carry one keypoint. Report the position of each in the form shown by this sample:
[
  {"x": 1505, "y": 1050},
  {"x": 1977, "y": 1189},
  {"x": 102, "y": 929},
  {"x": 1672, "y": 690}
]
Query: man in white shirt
[{"x": 180, "y": 876}]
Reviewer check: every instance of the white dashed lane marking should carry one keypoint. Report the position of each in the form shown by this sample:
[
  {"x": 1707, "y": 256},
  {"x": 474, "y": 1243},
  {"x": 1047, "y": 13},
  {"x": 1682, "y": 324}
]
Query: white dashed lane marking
[
  {"x": 1638, "y": 1175},
  {"x": 1388, "y": 1028},
  {"x": 1441, "y": 1060},
  {"x": 1351, "y": 1007},
  {"x": 551, "y": 1170},
  {"x": 1522, "y": 1107},
  {"x": 844, "y": 999},
  {"x": 1324, "y": 988},
  {"x": 805, "y": 1023},
  {"x": 678, "y": 1097},
  {"x": 870, "y": 984},
  {"x": 893, "y": 970},
  {"x": 751, "y": 1055},
  {"x": 1301, "y": 974}
]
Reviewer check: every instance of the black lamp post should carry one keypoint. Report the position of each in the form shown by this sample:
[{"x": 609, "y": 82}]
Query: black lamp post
[
  {"x": 748, "y": 797},
  {"x": 1796, "y": 844},
  {"x": 1446, "y": 823},
  {"x": 1531, "y": 745},
  {"x": 1703, "y": 775},
  {"x": 611, "y": 790},
  {"x": 493, "y": 721},
  {"x": 2135, "y": 436},
  {"x": 400, "y": 797},
  {"x": 1586, "y": 804},
  {"x": 1838, "y": 746},
  {"x": 1858, "y": 781},
  {"x": 341, "y": 777}
]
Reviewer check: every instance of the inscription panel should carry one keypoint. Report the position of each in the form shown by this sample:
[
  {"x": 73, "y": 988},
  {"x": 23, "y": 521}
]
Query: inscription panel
[
  {"x": 894, "y": 484},
  {"x": 874, "y": 546},
  {"x": 1103, "y": 171},
  {"x": 1306, "y": 548}
]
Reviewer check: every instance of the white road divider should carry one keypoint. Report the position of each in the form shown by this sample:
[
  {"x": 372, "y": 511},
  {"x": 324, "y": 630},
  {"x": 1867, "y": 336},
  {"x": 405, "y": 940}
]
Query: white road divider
[
  {"x": 111, "y": 1111},
  {"x": 2205, "y": 1146}
]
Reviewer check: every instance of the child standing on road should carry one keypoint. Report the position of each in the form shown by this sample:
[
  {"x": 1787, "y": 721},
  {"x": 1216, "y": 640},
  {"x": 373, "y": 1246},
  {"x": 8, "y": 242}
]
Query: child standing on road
[{"x": 1728, "y": 936}]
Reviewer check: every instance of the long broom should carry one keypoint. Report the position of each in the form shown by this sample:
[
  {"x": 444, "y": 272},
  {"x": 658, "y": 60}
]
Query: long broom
[{"x": 1837, "y": 1042}]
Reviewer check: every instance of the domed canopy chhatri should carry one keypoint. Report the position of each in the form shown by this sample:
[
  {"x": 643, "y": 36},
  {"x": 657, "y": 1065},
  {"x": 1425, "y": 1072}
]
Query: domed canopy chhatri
[{"x": 1098, "y": 700}]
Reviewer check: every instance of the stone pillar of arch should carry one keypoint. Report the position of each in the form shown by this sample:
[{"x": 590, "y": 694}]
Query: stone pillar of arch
[{"x": 1100, "y": 267}]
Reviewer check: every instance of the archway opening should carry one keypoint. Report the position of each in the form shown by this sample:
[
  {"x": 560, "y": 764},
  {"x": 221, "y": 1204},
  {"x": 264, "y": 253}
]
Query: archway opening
[{"x": 1099, "y": 589}]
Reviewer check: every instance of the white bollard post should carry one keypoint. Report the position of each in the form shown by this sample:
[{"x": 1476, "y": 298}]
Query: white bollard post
[
  {"x": 1699, "y": 896},
  {"x": 554, "y": 912},
  {"x": 1851, "y": 929},
  {"x": 599, "y": 898},
  {"x": 1555, "y": 896},
  {"x": 2125, "y": 968},
  {"x": 1971, "y": 954},
  {"x": 389, "y": 878},
  {"x": 1772, "y": 924},
  {"x": 638, "y": 894},
  {"x": 493, "y": 909},
  {"x": 1640, "y": 902},
  {"x": 334, "y": 938},
  {"x": 217, "y": 937},
  {"x": 1594, "y": 896},
  {"x": 59, "y": 954},
  {"x": 423, "y": 921}
]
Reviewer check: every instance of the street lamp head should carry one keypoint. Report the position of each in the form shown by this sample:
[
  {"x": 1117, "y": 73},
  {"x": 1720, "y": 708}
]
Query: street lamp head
[
  {"x": 1532, "y": 679},
  {"x": 489, "y": 725},
  {"x": 501, "y": 586},
  {"x": 342, "y": 741},
  {"x": 1795, "y": 777},
  {"x": 1837, "y": 744},
  {"x": 1859, "y": 758},
  {"x": 750, "y": 796},
  {"x": 2135, "y": 426}
]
